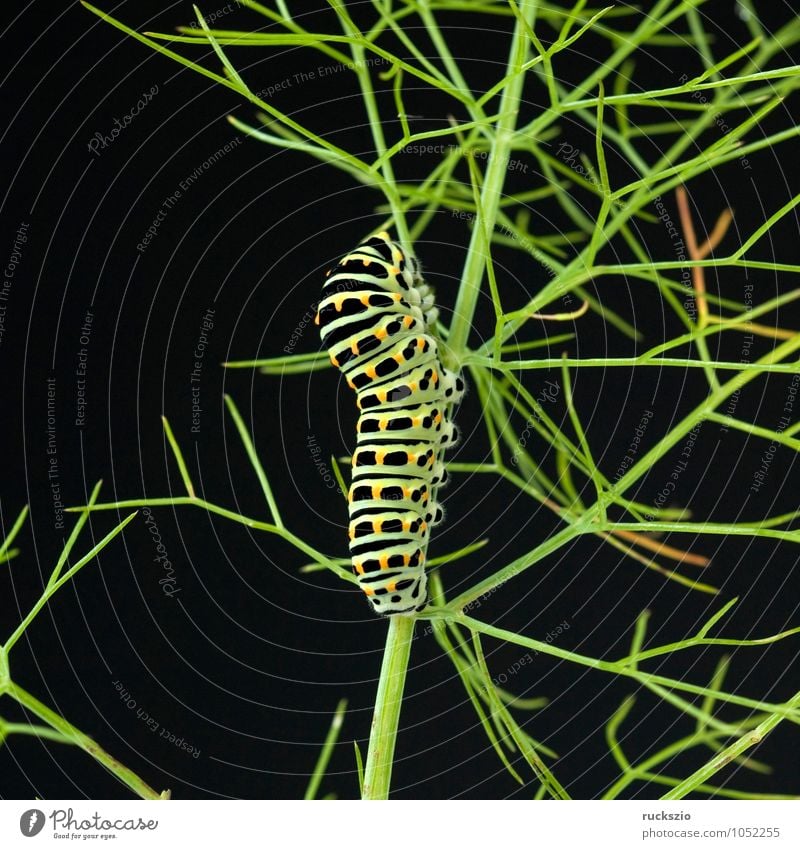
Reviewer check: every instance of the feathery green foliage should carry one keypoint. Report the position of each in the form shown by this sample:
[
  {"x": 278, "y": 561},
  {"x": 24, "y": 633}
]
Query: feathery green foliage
[{"x": 470, "y": 180}]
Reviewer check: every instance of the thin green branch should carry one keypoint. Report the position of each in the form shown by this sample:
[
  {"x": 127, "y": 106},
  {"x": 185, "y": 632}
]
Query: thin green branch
[{"x": 327, "y": 750}]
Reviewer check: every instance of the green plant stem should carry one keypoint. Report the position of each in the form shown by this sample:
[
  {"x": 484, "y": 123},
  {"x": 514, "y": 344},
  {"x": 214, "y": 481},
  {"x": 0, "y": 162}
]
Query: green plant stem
[
  {"x": 496, "y": 172},
  {"x": 723, "y": 758},
  {"x": 388, "y": 701},
  {"x": 73, "y": 735},
  {"x": 389, "y": 183},
  {"x": 327, "y": 751}
]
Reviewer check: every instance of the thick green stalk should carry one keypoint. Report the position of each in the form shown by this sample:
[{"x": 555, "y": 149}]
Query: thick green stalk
[
  {"x": 389, "y": 700},
  {"x": 491, "y": 193}
]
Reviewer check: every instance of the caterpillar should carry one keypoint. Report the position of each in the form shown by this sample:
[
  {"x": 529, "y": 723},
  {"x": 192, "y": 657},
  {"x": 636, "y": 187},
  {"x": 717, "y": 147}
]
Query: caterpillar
[{"x": 376, "y": 316}]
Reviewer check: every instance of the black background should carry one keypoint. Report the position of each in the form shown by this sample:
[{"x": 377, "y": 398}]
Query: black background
[{"x": 248, "y": 660}]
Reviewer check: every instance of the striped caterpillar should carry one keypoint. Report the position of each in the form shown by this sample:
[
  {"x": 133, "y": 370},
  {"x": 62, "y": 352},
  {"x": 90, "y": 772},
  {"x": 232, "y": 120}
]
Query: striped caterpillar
[{"x": 376, "y": 317}]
